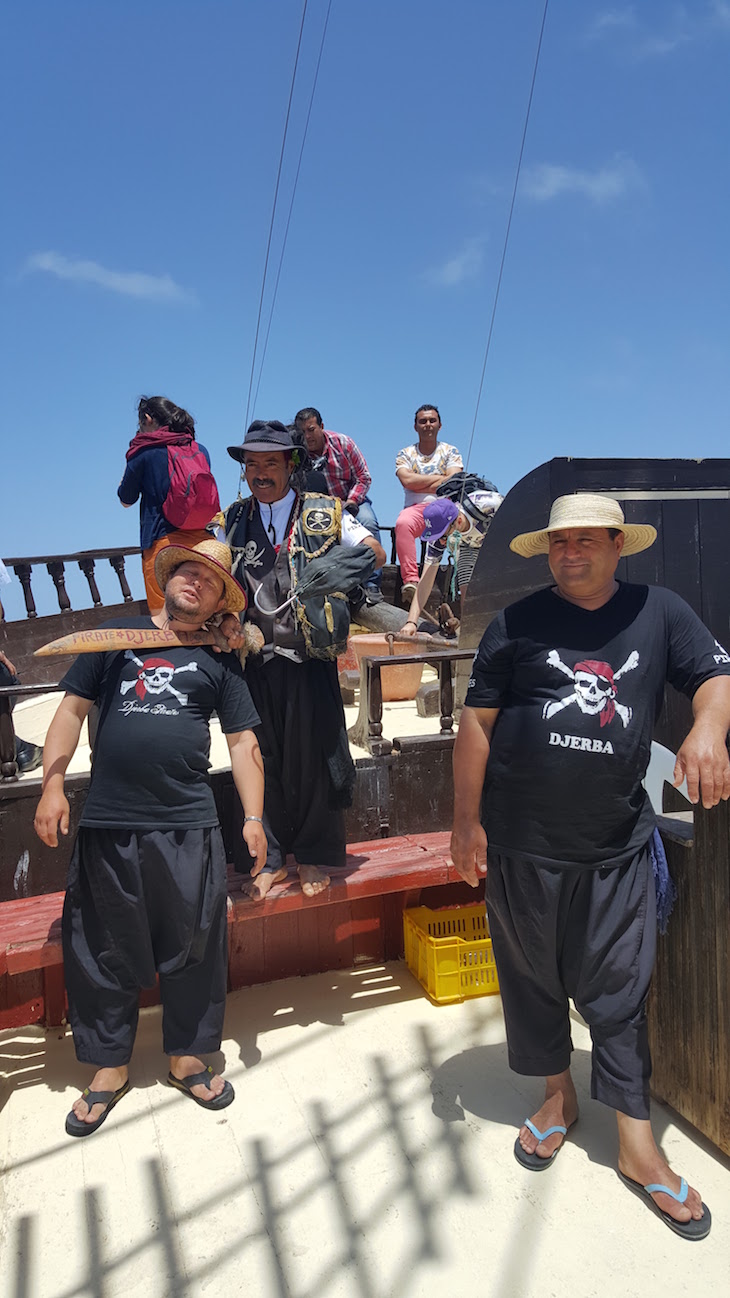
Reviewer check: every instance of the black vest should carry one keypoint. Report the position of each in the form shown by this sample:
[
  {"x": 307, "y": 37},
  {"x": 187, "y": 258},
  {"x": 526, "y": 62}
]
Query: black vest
[{"x": 312, "y": 627}]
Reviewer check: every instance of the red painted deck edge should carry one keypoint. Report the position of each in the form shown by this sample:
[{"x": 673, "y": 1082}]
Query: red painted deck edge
[{"x": 30, "y": 928}]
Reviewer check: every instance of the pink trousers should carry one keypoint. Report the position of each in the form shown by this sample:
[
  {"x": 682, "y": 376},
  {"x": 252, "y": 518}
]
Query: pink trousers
[{"x": 408, "y": 526}]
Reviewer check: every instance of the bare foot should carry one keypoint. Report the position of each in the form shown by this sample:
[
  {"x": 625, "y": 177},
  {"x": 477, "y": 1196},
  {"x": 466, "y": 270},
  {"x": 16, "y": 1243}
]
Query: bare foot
[
  {"x": 312, "y": 879},
  {"x": 257, "y": 888},
  {"x": 640, "y": 1160},
  {"x": 559, "y": 1110},
  {"x": 182, "y": 1066},
  {"x": 106, "y": 1079}
]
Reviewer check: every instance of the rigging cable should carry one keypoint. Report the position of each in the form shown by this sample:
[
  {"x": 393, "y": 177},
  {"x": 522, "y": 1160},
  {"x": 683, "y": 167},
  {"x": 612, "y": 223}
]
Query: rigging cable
[
  {"x": 273, "y": 210},
  {"x": 291, "y": 204},
  {"x": 506, "y": 240}
]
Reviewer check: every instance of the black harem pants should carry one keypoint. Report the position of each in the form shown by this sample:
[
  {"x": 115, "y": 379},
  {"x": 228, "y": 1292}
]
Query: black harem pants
[
  {"x": 138, "y": 904},
  {"x": 585, "y": 934},
  {"x": 301, "y": 735}
]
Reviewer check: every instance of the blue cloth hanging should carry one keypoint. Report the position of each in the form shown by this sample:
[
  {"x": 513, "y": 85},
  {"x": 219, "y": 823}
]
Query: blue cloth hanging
[{"x": 666, "y": 892}]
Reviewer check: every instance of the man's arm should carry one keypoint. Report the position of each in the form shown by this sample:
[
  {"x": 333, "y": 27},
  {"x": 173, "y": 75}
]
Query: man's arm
[
  {"x": 377, "y": 547},
  {"x": 420, "y": 482},
  {"x": 247, "y": 767},
  {"x": 359, "y": 491},
  {"x": 61, "y": 743},
  {"x": 471, "y": 753},
  {"x": 420, "y": 598},
  {"x": 703, "y": 757}
]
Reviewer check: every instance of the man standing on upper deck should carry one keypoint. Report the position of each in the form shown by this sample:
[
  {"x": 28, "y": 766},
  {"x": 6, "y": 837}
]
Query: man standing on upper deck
[
  {"x": 420, "y": 468},
  {"x": 275, "y": 534},
  {"x": 553, "y": 745},
  {"x": 346, "y": 473}
]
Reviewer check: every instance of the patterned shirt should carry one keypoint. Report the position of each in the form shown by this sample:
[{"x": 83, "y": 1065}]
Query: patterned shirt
[
  {"x": 445, "y": 459},
  {"x": 343, "y": 465}
]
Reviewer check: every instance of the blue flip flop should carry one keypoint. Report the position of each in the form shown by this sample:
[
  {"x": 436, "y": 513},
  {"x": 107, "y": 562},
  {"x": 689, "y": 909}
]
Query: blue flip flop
[
  {"x": 533, "y": 1161},
  {"x": 691, "y": 1229}
]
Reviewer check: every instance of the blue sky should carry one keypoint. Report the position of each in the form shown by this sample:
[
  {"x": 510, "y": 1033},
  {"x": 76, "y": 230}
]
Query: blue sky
[{"x": 139, "y": 159}]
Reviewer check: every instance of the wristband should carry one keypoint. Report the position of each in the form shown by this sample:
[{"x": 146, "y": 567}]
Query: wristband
[
  {"x": 410, "y": 622},
  {"x": 258, "y": 818}
]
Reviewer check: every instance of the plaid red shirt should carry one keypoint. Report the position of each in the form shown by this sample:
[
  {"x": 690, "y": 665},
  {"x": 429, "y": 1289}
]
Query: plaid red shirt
[{"x": 343, "y": 465}]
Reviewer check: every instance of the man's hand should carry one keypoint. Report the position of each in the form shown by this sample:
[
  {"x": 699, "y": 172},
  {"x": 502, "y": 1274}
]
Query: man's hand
[
  {"x": 229, "y": 634},
  {"x": 409, "y": 629},
  {"x": 255, "y": 840},
  {"x": 703, "y": 760},
  {"x": 4, "y": 659},
  {"x": 51, "y": 815},
  {"x": 352, "y": 507},
  {"x": 469, "y": 852}
]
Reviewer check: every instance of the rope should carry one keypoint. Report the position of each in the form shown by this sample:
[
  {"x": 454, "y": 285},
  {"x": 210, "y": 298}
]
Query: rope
[
  {"x": 291, "y": 204},
  {"x": 273, "y": 211},
  {"x": 506, "y": 241}
]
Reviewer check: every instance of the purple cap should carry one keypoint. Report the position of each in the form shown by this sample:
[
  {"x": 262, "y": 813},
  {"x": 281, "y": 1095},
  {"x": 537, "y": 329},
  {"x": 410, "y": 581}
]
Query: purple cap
[{"x": 438, "y": 516}]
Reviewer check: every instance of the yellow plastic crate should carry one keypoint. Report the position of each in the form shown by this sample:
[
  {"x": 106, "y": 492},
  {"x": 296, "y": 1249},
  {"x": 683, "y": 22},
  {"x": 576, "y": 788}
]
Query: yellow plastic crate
[{"x": 450, "y": 952}]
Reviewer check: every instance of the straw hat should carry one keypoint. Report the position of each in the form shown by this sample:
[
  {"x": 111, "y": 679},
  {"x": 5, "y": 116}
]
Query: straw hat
[
  {"x": 585, "y": 510},
  {"x": 215, "y": 555}
]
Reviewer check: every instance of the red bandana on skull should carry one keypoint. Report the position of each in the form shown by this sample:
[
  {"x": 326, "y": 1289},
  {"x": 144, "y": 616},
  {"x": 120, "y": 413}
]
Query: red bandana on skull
[
  {"x": 150, "y": 665},
  {"x": 604, "y": 672}
]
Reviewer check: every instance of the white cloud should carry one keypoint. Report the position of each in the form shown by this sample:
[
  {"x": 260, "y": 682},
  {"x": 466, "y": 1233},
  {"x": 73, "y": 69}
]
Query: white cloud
[
  {"x": 131, "y": 283},
  {"x": 464, "y": 265},
  {"x": 721, "y": 14},
  {"x": 548, "y": 180},
  {"x": 613, "y": 20},
  {"x": 682, "y": 25}
]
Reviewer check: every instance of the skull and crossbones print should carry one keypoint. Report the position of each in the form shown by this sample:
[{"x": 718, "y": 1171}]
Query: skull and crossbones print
[
  {"x": 155, "y": 677},
  {"x": 594, "y": 688},
  {"x": 253, "y": 557}
]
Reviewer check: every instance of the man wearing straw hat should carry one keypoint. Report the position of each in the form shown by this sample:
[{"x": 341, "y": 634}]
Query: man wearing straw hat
[
  {"x": 146, "y": 892},
  {"x": 553, "y": 743}
]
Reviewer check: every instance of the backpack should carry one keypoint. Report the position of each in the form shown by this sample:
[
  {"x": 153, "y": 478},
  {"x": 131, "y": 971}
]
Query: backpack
[
  {"x": 458, "y": 488},
  {"x": 192, "y": 499},
  {"x": 461, "y": 484}
]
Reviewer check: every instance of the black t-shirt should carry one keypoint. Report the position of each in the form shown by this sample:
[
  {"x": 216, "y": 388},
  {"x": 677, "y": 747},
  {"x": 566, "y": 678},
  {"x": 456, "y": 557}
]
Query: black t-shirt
[
  {"x": 151, "y": 755},
  {"x": 579, "y": 693}
]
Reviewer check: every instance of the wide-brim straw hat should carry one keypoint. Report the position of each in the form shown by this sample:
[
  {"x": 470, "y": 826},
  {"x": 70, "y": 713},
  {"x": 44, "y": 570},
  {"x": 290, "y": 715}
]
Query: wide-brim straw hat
[
  {"x": 585, "y": 510},
  {"x": 215, "y": 555}
]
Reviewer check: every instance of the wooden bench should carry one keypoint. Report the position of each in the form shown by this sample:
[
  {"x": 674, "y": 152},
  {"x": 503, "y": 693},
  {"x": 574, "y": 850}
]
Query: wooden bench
[{"x": 357, "y": 920}]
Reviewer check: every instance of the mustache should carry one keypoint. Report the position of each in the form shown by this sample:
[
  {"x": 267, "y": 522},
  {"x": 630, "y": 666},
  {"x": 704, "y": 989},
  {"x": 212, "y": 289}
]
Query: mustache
[{"x": 262, "y": 482}]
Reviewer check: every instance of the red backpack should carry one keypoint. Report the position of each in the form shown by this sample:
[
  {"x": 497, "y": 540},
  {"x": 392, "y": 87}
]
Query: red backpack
[{"x": 192, "y": 499}]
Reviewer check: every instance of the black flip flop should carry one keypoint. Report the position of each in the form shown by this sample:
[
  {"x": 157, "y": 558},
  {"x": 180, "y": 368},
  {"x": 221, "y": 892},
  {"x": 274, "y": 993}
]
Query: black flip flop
[
  {"x": 534, "y": 1162},
  {"x": 185, "y": 1084},
  {"x": 691, "y": 1229},
  {"x": 77, "y": 1127}
]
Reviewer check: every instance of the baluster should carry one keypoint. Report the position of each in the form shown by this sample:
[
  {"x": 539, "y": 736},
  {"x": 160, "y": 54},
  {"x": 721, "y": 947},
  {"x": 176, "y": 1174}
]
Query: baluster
[
  {"x": 23, "y": 573},
  {"x": 56, "y": 570},
  {"x": 375, "y": 701},
  {"x": 87, "y": 567},
  {"x": 8, "y": 764},
  {"x": 117, "y": 563},
  {"x": 446, "y": 696}
]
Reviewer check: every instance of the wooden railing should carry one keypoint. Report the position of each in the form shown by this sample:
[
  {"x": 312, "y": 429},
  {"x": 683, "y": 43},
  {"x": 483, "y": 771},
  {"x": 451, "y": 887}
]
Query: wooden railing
[
  {"x": 55, "y": 565},
  {"x": 372, "y": 705}
]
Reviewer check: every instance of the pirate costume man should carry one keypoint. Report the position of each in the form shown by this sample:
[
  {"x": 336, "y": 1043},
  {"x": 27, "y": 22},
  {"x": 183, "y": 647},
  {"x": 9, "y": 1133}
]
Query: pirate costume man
[
  {"x": 146, "y": 893},
  {"x": 279, "y": 537},
  {"x": 553, "y": 746}
]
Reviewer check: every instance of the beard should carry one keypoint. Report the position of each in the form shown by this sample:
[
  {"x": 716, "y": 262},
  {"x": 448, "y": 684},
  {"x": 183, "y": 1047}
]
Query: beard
[{"x": 190, "y": 611}]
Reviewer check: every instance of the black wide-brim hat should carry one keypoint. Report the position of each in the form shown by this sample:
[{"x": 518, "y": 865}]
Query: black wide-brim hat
[{"x": 264, "y": 435}]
